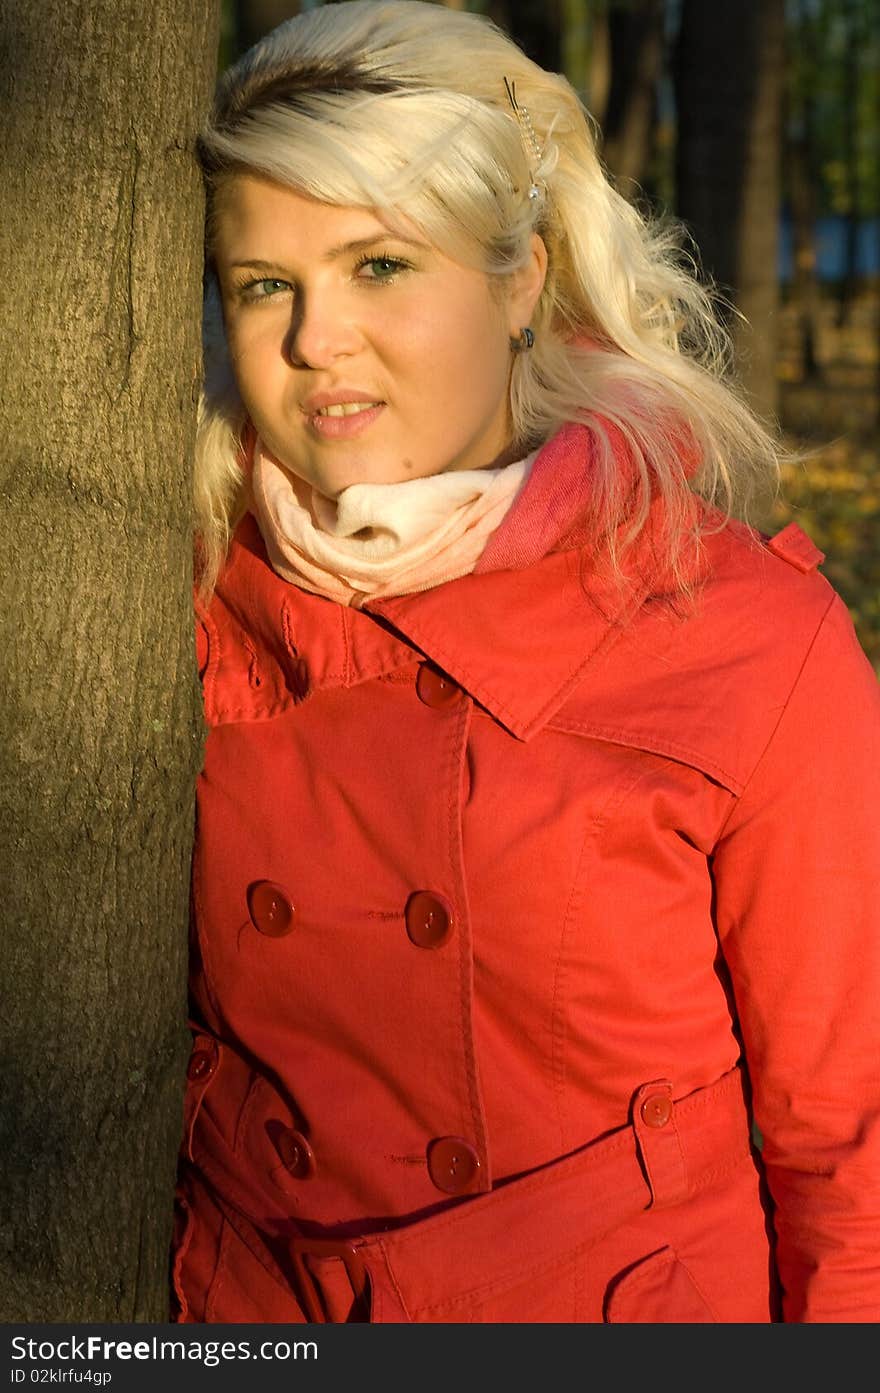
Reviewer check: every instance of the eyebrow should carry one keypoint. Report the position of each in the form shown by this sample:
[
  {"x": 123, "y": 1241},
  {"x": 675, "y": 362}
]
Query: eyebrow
[{"x": 343, "y": 249}]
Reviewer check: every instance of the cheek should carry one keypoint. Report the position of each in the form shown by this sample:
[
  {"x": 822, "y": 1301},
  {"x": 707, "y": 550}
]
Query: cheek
[
  {"x": 253, "y": 349},
  {"x": 461, "y": 349},
  {"x": 236, "y": 340}
]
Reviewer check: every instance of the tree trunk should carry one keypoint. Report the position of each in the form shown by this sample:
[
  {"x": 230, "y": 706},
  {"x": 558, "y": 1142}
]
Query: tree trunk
[
  {"x": 636, "y": 37},
  {"x": 534, "y": 25},
  {"x": 100, "y": 364},
  {"x": 729, "y": 70},
  {"x": 575, "y": 45},
  {"x": 855, "y": 41},
  {"x": 803, "y": 181}
]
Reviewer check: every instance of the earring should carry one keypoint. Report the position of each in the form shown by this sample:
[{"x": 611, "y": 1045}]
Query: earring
[{"x": 524, "y": 342}]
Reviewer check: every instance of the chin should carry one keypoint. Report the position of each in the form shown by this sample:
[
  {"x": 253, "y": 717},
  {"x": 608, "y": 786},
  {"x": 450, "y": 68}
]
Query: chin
[{"x": 339, "y": 481}]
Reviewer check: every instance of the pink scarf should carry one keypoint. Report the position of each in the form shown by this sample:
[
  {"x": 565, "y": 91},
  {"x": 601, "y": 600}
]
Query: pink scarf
[{"x": 377, "y": 540}]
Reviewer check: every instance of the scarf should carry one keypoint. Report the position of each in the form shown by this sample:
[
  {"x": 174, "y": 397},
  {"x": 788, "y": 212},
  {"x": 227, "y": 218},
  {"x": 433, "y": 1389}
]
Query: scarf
[{"x": 377, "y": 540}]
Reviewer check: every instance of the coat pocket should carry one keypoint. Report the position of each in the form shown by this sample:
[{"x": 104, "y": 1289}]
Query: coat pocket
[{"x": 659, "y": 1290}]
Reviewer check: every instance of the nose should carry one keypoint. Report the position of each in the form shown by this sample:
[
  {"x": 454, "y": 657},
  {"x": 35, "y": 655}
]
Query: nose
[{"x": 321, "y": 331}]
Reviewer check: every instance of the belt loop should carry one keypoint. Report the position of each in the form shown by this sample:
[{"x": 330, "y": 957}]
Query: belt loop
[
  {"x": 658, "y": 1143},
  {"x": 322, "y": 1300}
]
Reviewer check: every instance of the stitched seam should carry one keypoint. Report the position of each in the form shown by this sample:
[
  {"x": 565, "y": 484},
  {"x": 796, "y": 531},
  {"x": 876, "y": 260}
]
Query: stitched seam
[
  {"x": 786, "y": 704},
  {"x": 255, "y": 681},
  {"x": 697, "y": 1288},
  {"x": 219, "y": 1274},
  {"x": 723, "y": 1085},
  {"x": 537, "y": 1181},
  {"x": 719, "y": 1172},
  {"x": 394, "y": 1282},
  {"x": 663, "y": 1258},
  {"x": 244, "y": 715},
  {"x": 631, "y": 740},
  {"x": 514, "y": 1273},
  {"x": 455, "y": 855},
  {"x": 287, "y": 630},
  {"x": 209, "y": 679},
  {"x": 400, "y": 675},
  {"x": 180, "y": 1255},
  {"x": 608, "y": 1146},
  {"x": 558, "y": 1034},
  {"x": 612, "y": 633},
  {"x": 207, "y": 964},
  {"x": 596, "y": 825},
  {"x": 231, "y": 715},
  {"x": 346, "y": 646}
]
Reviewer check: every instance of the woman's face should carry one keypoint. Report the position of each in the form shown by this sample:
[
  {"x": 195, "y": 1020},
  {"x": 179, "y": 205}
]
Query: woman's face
[{"x": 363, "y": 356}]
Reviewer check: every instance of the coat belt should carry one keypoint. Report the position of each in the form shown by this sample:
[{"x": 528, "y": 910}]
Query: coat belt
[{"x": 671, "y": 1149}]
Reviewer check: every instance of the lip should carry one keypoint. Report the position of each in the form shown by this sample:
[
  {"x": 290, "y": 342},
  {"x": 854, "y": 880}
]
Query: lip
[
  {"x": 336, "y": 398},
  {"x": 340, "y": 427},
  {"x": 344, "y": 427}
]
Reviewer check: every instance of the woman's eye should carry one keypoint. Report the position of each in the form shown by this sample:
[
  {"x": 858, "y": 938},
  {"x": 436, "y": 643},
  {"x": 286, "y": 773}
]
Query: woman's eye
[
  {"x": 264, "y": 289},
  {"x": 380, "y": 268}
]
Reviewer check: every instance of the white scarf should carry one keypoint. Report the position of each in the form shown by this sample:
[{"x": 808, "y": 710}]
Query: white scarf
[{"x": 377, "y": 540}]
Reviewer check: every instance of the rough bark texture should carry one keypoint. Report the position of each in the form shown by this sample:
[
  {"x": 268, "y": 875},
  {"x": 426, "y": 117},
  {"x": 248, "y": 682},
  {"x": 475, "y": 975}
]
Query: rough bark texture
[
  {"x": 100, "y": 242},
  {"x": 729, "y": 72}
]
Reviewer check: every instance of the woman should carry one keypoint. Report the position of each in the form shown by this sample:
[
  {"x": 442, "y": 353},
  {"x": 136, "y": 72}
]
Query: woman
[{"x": 537, "y": 850}]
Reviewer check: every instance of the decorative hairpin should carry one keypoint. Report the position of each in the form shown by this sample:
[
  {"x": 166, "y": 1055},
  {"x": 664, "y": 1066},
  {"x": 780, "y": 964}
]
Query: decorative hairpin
[{"x": 527, "y": 132}]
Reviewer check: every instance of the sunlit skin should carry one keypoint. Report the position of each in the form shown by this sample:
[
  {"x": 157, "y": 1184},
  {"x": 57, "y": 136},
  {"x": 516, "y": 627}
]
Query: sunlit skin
[{"x": 320, "y": 299}]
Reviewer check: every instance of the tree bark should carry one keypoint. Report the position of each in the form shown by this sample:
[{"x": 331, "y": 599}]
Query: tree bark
[
  {"x": 728, "y": 76},
  {"x": 100, "y": 364}
]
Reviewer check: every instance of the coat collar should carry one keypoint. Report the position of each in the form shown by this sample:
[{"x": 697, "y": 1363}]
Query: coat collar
[
  {"x": 517, "y": 634},
  {"x": 542, "y": 605},
  {"x": 517, "y": 641}
]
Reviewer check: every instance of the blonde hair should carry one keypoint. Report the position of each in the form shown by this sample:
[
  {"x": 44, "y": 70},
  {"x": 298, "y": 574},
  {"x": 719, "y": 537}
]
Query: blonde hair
[{"x": 402, "y": 106}]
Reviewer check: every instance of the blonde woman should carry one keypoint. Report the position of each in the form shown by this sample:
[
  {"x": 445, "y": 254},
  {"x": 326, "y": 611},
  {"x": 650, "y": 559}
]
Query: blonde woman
[{"x": 535, "y": 955}]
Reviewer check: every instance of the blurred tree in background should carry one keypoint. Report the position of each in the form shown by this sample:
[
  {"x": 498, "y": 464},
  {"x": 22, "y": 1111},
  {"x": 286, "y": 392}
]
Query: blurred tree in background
[{"x": 756, "y": 123}]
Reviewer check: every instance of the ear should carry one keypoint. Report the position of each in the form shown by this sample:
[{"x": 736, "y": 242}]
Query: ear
[{"x": 525, "y": 287}]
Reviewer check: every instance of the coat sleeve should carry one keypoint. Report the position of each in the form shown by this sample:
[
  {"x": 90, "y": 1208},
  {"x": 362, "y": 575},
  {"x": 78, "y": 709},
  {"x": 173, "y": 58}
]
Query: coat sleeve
[{"x": 797, "y": 899}]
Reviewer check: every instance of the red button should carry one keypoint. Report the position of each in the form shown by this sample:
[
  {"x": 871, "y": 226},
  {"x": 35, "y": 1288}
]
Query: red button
[
  {"x": 428, "y": 919},
  {"x": 656, "y": 1110},
  {"x": 270, "y": 908},
  {"x": 202, "y": 1062},
  {"x": 453, "y": 1164},
  {"x": 436, "y": 690},
  {"x": 297, "y": 1156}
]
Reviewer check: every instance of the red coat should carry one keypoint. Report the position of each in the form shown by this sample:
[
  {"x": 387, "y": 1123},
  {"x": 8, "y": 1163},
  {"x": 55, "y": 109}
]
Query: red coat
[{"x": 509, "y": 871}]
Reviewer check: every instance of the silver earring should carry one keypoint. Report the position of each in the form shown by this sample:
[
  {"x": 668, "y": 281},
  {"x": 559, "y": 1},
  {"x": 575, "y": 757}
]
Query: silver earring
[{"x": 524, "y": 342}]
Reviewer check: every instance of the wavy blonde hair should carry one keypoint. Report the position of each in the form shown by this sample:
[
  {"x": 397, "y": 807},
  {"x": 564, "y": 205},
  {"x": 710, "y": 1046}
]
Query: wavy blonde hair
[{"x": 402, "y": 106}]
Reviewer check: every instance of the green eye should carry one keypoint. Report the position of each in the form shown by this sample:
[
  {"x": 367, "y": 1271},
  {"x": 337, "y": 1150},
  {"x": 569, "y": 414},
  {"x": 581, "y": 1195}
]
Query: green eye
[
  {"x": 257, "y": 292},
  {"x": 382, "y": 268}
]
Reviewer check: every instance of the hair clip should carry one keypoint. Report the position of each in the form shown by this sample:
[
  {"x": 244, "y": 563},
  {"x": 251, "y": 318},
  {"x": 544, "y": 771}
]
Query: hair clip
[{"x": 527, "y": 132}]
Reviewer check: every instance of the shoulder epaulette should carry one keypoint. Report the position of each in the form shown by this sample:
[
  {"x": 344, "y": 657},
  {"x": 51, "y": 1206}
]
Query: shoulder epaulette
[{"x": 793, "y": 545}]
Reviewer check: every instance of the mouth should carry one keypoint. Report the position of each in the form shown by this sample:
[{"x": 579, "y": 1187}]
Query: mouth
[
  {"x": 347, "y": 408},
  {"x": 344, "y": 419}
]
